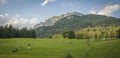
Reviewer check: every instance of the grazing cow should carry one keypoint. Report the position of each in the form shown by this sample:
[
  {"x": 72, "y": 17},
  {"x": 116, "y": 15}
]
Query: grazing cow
[
  {"x": 29, "y": 46},
  {"x": 67, "y": 41},
  {"x": 15, "y": 50}
]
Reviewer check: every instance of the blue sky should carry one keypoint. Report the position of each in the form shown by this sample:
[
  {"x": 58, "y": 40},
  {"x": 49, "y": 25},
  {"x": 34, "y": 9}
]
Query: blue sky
[{"x": 40, "y": 10}]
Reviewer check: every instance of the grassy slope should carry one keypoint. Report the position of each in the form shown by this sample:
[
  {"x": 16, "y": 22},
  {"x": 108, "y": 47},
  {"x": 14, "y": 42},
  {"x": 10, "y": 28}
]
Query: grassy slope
[{"x": 47, "y": 48}]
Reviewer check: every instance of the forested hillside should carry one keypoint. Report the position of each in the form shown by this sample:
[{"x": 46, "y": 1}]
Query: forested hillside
[{"x": 74, "y": 22}]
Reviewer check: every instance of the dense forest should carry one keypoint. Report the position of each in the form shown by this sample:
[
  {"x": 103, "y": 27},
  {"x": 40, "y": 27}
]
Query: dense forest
[
  {"x": 8, "y": 31},
  {"x": 98, "y": 32}
]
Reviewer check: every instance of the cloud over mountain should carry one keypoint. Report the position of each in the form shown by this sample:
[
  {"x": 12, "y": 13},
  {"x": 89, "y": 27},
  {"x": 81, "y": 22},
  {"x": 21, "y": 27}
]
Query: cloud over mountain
[
  {"x": 108, "y": 10},
  {"x": 18, "y": 21}
]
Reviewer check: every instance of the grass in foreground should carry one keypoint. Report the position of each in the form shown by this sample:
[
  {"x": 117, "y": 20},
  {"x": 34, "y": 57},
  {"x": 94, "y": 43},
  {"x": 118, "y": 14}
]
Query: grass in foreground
[
  {"x": 105, "y": 49},
  {"x": 58, "y": 48},
  {"x": 42, "y": 48}
]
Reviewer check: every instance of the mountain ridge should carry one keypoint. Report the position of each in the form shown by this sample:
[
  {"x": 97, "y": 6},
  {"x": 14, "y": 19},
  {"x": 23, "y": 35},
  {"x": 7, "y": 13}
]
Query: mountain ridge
[
  {"x": 50, "y": 21},
  {"x": 75, "y": 22}
]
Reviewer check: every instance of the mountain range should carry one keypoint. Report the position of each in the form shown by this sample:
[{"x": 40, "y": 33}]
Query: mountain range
[{"x": 72, "y": 21}]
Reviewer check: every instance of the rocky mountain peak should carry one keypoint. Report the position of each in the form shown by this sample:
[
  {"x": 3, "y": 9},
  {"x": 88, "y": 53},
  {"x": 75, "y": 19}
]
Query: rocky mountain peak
[{"x": 50, "y": 21}]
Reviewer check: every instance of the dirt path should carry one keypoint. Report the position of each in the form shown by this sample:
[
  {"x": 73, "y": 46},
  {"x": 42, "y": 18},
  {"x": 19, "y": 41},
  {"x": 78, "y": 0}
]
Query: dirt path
[{"x": 90, "y": 48}]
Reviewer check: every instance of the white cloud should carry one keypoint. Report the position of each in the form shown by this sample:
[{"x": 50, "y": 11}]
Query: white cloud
[
  {"x": 46, "y": 2},
  {"x": 3, "y": 1},
  {"x": 6, "y": 14},
  {"x": 1, "y": 16},
  {"x": 18, "y": 21},
  {"x": 108, "y": 10}
]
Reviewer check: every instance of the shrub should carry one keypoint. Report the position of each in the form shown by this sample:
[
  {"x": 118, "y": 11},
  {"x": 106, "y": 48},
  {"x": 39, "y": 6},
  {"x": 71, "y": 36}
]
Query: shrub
[{"x": 68, "y": 56}]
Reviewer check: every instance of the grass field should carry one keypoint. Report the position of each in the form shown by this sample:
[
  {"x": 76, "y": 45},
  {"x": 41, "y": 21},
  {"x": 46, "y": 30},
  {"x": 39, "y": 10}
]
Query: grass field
[{"x": 58, "y": 48}]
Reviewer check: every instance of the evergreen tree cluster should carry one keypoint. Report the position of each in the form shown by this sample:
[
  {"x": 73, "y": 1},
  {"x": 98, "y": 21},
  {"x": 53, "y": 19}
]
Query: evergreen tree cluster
[
  {"x": 68, "y": 34},
  {"x": 8, "y": 31}
]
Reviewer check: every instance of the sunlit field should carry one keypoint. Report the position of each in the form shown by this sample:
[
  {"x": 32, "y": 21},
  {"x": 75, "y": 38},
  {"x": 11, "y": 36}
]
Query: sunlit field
[{"x": 58, "y": 48}]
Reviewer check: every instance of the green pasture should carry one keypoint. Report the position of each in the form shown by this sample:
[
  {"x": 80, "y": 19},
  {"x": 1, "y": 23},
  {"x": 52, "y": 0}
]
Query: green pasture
[{"x": 58, "y": 48}]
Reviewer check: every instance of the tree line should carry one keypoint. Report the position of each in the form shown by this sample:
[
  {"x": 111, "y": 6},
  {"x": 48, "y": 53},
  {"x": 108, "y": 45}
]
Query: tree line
[
  {"x": 8, "y": 31},
  {"x": 98, "y": 32}
]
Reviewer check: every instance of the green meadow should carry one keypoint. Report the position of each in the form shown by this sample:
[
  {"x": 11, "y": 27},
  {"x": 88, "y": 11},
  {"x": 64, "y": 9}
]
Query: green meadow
[{"x": 59, "y": 48}]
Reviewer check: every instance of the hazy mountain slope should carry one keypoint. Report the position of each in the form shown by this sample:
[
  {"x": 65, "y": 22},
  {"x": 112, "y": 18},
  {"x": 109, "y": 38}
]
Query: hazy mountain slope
[{"x": 74, "y": 22}]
